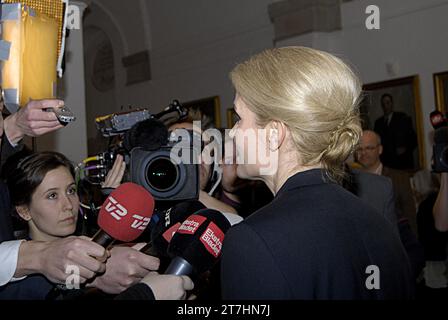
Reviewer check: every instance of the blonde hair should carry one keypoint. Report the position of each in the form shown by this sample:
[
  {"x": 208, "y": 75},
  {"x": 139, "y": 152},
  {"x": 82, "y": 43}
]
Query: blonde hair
[{"x": 314, "y": 93}]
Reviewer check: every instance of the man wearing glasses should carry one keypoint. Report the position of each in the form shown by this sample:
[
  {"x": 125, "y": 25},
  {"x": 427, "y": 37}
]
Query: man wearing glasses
[{"x": 368, "y": 155}]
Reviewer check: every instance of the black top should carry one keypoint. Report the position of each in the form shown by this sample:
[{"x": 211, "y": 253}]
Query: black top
[
  {"x": 7, "y": 150},
  {"x": 33, "y": 287},
  {"x": 314, "y": 241},
  {"x": 6, "y": 229}
]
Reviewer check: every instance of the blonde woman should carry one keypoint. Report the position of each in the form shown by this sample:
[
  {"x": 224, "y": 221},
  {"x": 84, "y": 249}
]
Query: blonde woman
[{"x": 314, "y": 240}]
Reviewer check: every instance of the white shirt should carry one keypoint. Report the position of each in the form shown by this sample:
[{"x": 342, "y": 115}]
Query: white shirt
[
  {"x": 232, "y": 218},
  {"x": 379, "y": 169},
  {"x": 9, "y": 254},
  {"x": 389, "y": 118}
]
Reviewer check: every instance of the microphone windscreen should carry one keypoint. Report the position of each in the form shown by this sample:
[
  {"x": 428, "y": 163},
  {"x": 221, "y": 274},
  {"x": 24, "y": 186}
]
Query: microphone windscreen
[
  {"x": 441, "y": 135},
  {"x": 199, "y": 239},
  {"x": 126, "y": 212},
  {"x": 150, "y": 134},
  {"x": 169, "y": 221}
]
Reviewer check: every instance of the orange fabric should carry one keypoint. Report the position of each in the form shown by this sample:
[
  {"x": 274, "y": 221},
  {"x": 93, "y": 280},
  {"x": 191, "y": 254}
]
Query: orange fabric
[{"x": 31, "y": 68}]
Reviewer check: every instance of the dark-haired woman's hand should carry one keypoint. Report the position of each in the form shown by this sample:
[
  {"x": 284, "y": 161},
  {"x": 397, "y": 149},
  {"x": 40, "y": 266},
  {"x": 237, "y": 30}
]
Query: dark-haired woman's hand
[{"x": 59, "y": 259}]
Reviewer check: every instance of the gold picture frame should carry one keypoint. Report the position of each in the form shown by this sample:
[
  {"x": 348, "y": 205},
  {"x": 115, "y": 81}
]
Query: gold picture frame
[
  {"x": 207, "y": 109},
  {"x": 406, "y": 99},
  {"x": 441, "y": 91}
]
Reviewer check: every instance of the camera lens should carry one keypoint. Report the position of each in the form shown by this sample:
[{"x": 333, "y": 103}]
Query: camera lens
[{"x": 162, "y": 174}]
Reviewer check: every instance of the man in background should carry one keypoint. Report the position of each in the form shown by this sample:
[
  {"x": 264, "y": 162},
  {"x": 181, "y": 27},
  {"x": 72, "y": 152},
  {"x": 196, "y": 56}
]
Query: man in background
[
  {"x": 368, "y": 155},
  {"x": 397, "y": 135}
]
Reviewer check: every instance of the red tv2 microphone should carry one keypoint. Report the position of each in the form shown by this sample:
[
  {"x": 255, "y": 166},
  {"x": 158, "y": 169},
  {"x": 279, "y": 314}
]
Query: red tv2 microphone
[
  {"x": 196, "y": 245},
  {"x": 124, "y": 215}
]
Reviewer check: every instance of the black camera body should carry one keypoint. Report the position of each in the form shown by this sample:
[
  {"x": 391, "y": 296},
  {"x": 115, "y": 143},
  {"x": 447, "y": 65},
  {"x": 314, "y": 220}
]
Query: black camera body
[
  {"x": 440, "y": 150},
  {"x": 165, "y": 179},
  {"x": 147, "y": 148}
]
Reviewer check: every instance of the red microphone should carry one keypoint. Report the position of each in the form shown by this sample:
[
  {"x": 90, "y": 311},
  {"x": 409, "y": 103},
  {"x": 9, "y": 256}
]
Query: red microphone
[
  {"x": 196, "y": 245},
  {"x": 438, "y": 119},
  {"x": 124, "y": 215}
]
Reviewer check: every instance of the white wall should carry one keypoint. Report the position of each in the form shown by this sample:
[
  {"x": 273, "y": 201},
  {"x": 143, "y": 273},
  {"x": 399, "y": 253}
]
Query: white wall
[
  {"x": 413, "y": 37},
  {"x": 71, "y": 140},
  {"x": 193, "y": 46}
]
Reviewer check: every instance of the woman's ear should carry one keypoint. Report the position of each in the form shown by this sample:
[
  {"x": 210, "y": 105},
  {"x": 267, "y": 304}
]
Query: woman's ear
[
  {"x": 276, "y": 135},
  {"x": 23, "y": 212}
]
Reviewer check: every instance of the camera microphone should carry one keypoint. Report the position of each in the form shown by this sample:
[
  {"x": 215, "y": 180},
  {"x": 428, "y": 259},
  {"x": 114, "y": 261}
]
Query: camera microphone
[{"x": 150, "y": 134}]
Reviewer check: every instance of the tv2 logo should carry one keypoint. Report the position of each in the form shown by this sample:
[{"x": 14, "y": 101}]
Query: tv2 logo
[{"x": 117, "y": 211}]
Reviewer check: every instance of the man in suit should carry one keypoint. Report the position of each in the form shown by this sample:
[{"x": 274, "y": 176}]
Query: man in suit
[
  {"x": 397, "y": 134},
  {"x": 377, "y": 191},
  {"x": 368, "y": 155}
]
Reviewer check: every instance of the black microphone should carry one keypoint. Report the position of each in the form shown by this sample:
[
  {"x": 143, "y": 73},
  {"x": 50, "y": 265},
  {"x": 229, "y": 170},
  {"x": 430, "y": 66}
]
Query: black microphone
[
  {"x": 168, "y": 223},
  {"x": 196, "y": 246},
  {"x": 150, "y": 134}
]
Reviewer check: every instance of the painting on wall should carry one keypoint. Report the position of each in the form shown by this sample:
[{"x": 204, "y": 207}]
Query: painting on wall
[
  {"x": 441, "y": 91},
  {"x": 392, "y": 109},
  {"x": 208, "y": 110}
]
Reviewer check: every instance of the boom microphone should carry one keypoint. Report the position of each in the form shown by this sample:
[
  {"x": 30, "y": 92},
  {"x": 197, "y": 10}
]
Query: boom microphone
[
  {"x": 124, "y": 215},
  {"x": 196, "y": 245}
]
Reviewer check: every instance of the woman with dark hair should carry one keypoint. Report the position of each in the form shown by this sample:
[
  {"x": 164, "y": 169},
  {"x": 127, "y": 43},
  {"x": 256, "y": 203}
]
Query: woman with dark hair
[{"x": 43, "y": 193}]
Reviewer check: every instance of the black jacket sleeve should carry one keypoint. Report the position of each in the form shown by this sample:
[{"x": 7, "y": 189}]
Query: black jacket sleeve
[
  {"x": 140, "y": 291},
  {"x": 7, "y": 150},
  {"x": 6, "y": 229},
  {"x": 248, "y": 269}
]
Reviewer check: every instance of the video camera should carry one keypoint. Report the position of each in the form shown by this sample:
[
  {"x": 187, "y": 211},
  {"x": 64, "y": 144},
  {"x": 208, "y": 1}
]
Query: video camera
[
  {"x": 439, "y": 122},
  {"x": 143, "y": 140}
]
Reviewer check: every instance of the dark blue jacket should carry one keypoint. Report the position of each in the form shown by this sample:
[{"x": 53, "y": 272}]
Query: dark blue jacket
[{"x": 315, "y": 240}]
